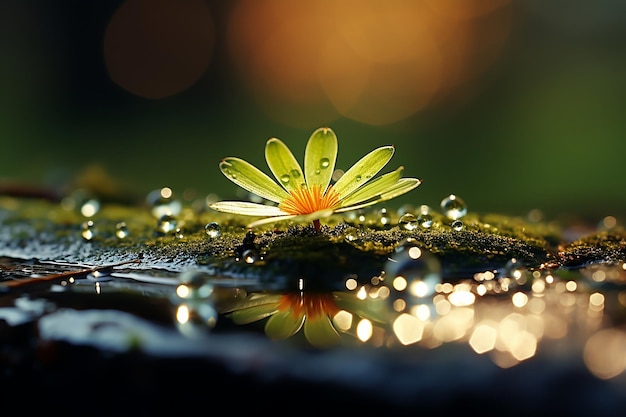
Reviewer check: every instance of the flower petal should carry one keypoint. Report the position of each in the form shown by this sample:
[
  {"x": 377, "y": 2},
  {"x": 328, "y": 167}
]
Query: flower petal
[
  {"x": 254, "y": 313},
  {"x": 305, "y": 218},
  {"x": 247, "y": 209},
  {"x": 283, "y": 324},
  {"x": 404, "y": 185},
  {"x": 373, "y": 188},
  {"x": 251, "y": 178},
  {"x": 320, "y": 331},
  {"x": 283, "y": 164},
  {"x": 363, "y": 170},
  {"x": 320, "y": 156}
]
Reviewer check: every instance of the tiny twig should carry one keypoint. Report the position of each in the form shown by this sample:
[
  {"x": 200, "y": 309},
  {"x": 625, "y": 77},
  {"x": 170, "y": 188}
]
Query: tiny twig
[{"x": 52, "y": 277}]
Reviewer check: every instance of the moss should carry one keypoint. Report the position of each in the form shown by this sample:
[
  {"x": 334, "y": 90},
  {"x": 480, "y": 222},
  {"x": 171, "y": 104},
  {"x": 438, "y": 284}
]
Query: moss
[
  {"x": 289, "y": 254},
  {"x": 601, "y": 247}
]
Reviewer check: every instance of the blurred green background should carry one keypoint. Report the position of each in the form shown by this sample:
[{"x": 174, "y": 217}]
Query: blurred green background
[{"x": 511, "y": 105}]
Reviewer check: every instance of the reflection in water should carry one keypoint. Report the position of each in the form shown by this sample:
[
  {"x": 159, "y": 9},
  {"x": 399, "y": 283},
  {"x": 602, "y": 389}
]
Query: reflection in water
[
  {"x": 323, "y": 317},
  {"x": 506, "y": 314}
]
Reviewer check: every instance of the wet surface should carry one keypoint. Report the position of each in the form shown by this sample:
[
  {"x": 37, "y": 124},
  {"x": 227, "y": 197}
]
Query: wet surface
[
  {"x": 398, "y": 320},
  {"x": 482, "y": 344}
]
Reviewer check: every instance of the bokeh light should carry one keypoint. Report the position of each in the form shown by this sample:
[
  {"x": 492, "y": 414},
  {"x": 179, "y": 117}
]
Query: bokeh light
[
  {"x": 372, "y": 62},
  {"x": 158, "y": 48}
]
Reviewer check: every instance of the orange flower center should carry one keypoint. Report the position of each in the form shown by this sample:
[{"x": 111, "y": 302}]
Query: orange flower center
[
  {"x": 311, "y": 305},
  {"x": 309, "y": 200}
]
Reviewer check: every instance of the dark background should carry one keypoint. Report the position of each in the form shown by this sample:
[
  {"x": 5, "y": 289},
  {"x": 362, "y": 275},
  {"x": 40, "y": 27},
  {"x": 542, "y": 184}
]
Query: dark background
[{"x": 511, "y": 105}]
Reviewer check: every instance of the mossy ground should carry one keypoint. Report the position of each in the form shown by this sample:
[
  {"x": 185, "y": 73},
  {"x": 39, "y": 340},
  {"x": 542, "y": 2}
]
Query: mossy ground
[{"x": 345, "y": 245}]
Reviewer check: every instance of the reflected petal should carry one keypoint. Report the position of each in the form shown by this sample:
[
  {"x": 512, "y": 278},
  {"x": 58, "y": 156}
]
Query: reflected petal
[
  {"x": 283, "y": 325},
  {"x": 252, "y": 314},
  {"x": 320, "y": 331}
]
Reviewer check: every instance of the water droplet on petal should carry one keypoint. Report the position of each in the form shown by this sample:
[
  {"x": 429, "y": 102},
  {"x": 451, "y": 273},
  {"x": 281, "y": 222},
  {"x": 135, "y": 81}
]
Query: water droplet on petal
[
  {"x": 285, "y": 178},
  {"x": 324, "y": 163},
  {"x": 213, "y": 230},
  {"x": 453, "y": 207},
  {"x": 295, "y": 173},
  {"x": 408, "y": 221}
]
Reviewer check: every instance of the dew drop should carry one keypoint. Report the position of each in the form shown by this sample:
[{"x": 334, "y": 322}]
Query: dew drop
[
  {"x": 324, "y": 163},
  {"x": 515, "y": 270},
  {"x": 166, "y": 224},
  {"x": 295, "y": 173},
  {"x": 453, "y": 207},
  {"x": 425, "y": 220},
  {"x": 162, "y": 202},
  {"x": 351, "y": 234},
  {"x": 412, "y": 274},
  {"x": 121, "y": 230},
  {"x": 424, "y": 209},
  {"x": 383, "y": 217},
  {"x": 405, "y": 208},
  {"x": 250, "y": 256},
  {"x": 101, "y": 275},
  {"x": 358, "y": 178},
  {"x": 213, "y": 230},
  {"x": 90, "y": 207},
  {"x": 457, "y": 225},
  {"x": 195, "y": 310},
  {"x": 193, "y": 284},
  {"x": 408, "y": 221},
  {"x": 88, "y": 231},
  {"x": 196, "y": 318},
  {"x": 285, "y": 178}
]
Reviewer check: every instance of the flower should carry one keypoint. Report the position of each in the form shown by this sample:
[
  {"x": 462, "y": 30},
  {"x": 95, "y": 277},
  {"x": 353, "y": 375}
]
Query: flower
[
  {"x": 324, "y": 318},
  {"x": 307, "y": 195}
]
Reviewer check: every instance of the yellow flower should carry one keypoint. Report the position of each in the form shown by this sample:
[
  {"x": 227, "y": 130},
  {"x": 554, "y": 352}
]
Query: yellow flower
[
  {"x": 317, "y": 315},
  {"x": 307, "y": 195}
]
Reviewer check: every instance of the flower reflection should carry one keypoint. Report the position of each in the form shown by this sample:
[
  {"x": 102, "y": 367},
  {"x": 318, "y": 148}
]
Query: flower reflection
[
  {"x": 508, "y": 315},
  {"x": 325, "y": 318}
]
